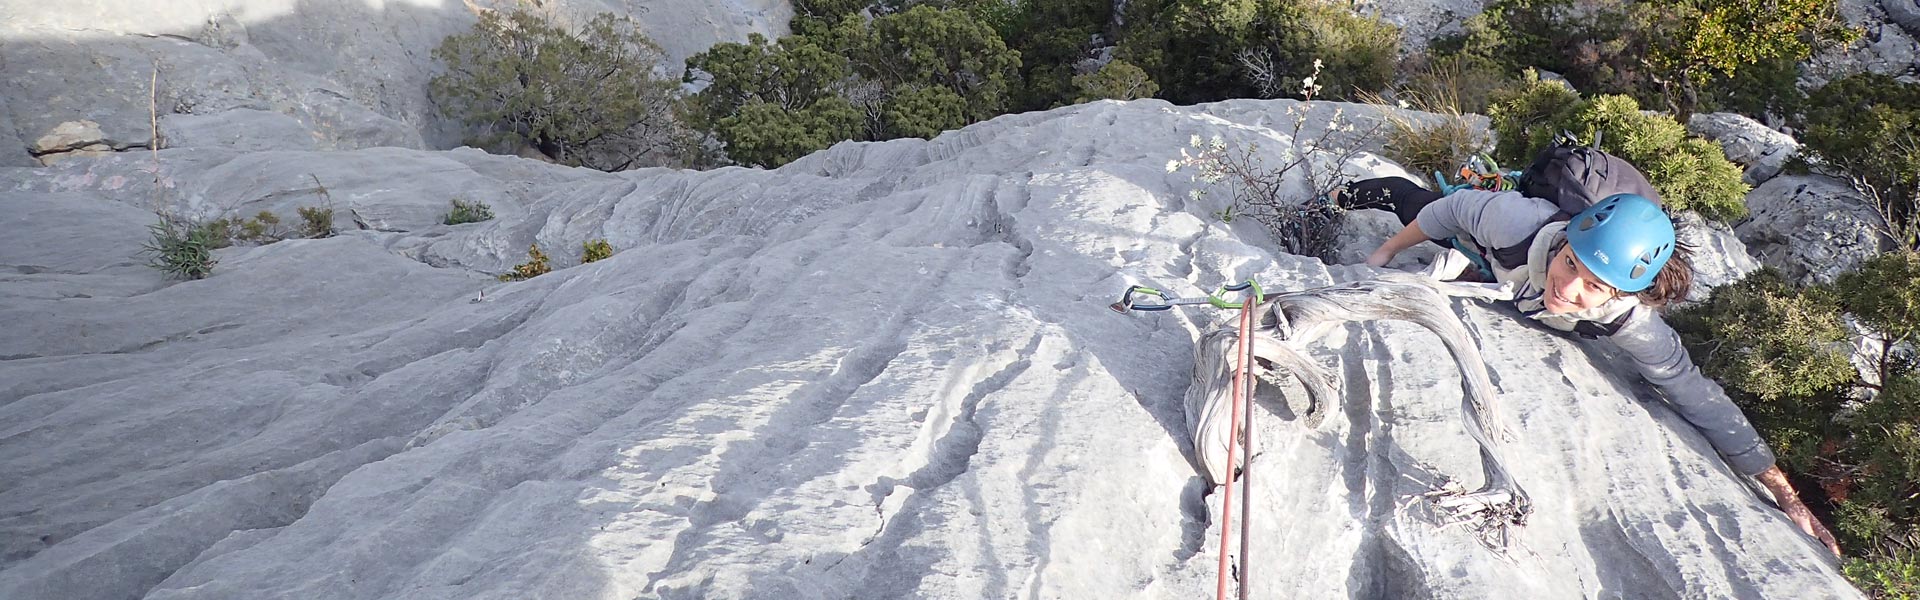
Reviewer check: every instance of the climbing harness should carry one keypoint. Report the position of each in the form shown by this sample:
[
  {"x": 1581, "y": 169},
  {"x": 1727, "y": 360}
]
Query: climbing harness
[{"x": 1480, "y": 173}]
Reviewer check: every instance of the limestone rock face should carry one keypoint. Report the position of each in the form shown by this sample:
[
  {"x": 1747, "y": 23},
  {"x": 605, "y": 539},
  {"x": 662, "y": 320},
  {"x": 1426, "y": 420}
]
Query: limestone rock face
[
  {"x": 1364, "y": 230},
  {"x": 1719, "y": 257},
  {"x": 1904, "y": 12},
  {"x": 1755, "y": 147},
  {"x": 1810, "y": 228},
  {"x": 1885, "y": 46},
  {"x": 1421, "y": 20},
  {"x": 885, "y": 370}
]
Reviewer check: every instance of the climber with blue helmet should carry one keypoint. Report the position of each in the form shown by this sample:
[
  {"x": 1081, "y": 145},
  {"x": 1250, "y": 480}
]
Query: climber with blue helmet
[{"x": 1602, "y": 273}]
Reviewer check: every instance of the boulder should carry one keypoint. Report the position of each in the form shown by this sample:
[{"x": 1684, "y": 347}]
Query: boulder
[
  {"x": 1884, "y": 47},
  {"x": 1719, "y": 257},
  {"x": 1811, "y": 228},
  {"x": 1420, "y": 20},
  {"x": 1906, "y": 13},
  {"x": 1755, "y": 147}
]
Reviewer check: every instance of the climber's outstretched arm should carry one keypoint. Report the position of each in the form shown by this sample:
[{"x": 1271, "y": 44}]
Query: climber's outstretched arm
[{"x": 1409, "y": 236}]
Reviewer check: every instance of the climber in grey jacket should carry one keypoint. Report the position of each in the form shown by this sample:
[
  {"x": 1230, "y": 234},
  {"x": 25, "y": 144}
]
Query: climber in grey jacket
[{"x": 1601, "y": 275}]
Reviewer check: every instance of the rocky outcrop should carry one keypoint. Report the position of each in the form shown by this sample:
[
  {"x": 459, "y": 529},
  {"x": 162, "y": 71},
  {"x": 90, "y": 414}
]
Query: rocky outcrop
[
  {"x": 885, "y": 370},
  {"x": 1811, "y": 228},
  {"x": 1884, "y": 46},
  {"x": 1719, "y": 257},
  {"x": 1755, "y": 147},
  {"x": 1906, "y": 13},
  {"x": 1421, "y": 20}
]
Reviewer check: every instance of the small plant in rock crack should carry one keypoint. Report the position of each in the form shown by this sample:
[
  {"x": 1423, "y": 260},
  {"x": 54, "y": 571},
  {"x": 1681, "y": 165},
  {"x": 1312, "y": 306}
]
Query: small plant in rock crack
[
  {"x": 181, "y": 249},
  {"x": 1291, "y": 200},
  {"x": 594, "y": 250},
  {"x": 468, "y": 212},
  {"x": 535, "y": 266},
  {"x": 316, "y": 222}
]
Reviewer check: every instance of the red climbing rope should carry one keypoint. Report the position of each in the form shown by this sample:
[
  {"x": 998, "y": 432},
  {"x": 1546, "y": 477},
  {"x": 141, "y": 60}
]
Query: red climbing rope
[{"x": 1241, "y": 401}]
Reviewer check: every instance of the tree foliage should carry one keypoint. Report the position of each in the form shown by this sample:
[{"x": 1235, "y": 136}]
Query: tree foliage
[
  {"x": 1691, "y": 173},
  {"x": 1867, "y": 127},
  {"x": 913, "y": 72},
  {"x": 1671, "y": 53},
  {"x": 585, "y": 97},
  {"x": 1207, "y": 50},
  {"x": 926, "y": 47},
  {"x": 772, "y": 103},
  {"x": 1781, "y": 353},
  {"x": 1117, "y": 80}
]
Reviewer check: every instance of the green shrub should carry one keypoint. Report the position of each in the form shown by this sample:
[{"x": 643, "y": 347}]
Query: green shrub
[
  {"x": 1116, "y": 80},
  {"x": 1051, "y": 38},
  {"x": 1768, "y": 339},
  {"x": 925, "y": 47},
  {"x": 911, "y": 73},
  {"x": 923, "y": 111},
  {"x": 1207, "y": 50},
  {"x": 181, "y": 249},
  {"x": 593, "y": 250},
  {"x": 1359, "y": 53},
  {"x": 262, "y": 228},
  {"x": 316, "y": 222},
  {"x": 1465, "y": 84},
  {"x": 218, "y": 233},
  {"x": 586, "y": 98},
  {"x": 535, "y": 266},
  {"x": 1527, "y": 117},
  {"x": 1892, "y": 578},
  {"x": 1867, "y": 126},
  {"x": 1884, "y": 293},
  {"x": 1424, "y": 146},
  {"x": 1668, "y": 53},
  {"x": 468, "y": 212},
  {"x": 1690, "y": 173},
  {"x": 1777, "y": 351}
]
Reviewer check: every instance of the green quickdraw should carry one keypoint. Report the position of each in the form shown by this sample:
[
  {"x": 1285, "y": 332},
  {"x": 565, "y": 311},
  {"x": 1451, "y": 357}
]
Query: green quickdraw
[{"x": 1134, "y": 298}]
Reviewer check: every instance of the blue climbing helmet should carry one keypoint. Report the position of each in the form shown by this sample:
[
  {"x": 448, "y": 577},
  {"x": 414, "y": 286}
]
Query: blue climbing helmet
[{"x": 1624, "y": 239}]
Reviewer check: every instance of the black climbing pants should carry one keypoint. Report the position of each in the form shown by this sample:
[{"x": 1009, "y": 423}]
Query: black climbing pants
[{"x": 1396, "y": 195}]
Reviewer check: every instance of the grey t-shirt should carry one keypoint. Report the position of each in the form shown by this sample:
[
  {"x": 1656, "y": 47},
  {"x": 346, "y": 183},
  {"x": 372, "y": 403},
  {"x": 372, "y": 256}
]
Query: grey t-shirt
[{"x": 1505, "y": 219}]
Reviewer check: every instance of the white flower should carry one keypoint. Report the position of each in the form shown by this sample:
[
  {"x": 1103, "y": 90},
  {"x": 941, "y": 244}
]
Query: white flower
[
  {"x": 1404, "y": 104},
  {"x": 1195, "y": 142},
  {"x": 1308, "y": 83},
  {"x": 1173, "y": 165},
  {"x": 1316, "y": 66}
]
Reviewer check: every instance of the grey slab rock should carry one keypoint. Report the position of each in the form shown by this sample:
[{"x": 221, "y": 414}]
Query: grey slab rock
[
  {"x": 1362, "y": 231},
  {"x": 1421, "y": 20},
  {"x": 1884, "y": 47},
  {"x": 1760, "y": 150},
  {"x": 1719, "y": 257},
  {"x": 1811, "y": 228},
  {"x": 1904, "y": 12},
  {"x": 885, "y": 370},
  {"x": 239, "y": 129}
]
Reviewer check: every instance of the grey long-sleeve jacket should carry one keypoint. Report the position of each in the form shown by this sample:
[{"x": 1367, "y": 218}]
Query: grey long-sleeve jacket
[{"x": 1504, "y": 219}]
